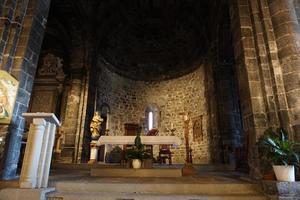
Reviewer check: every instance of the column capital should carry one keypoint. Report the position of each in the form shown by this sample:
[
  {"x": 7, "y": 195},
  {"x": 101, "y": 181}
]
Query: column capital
[
  {"x": 49, "y": 117},
  {"x": 39, "y": 121}
]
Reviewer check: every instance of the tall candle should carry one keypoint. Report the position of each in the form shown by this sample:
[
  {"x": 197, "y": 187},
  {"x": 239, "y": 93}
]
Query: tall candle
[
  {"x": 95, "y": 101},
  {"x": 172, "y": 125},
  {"x": 185, "y": 118}
]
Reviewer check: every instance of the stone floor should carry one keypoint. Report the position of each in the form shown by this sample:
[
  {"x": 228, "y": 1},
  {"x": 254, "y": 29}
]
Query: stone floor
[
  {"x": 205, "y": 177},
  {"x": 211, "y": 183},
  {"x": 206, "y": 185}
]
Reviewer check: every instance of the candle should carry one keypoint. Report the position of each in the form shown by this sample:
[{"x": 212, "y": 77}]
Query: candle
[
  {"x": 95, "y": 101},
  {"x": 185, "y": 118},
  {"x": 172, "y": 125}
]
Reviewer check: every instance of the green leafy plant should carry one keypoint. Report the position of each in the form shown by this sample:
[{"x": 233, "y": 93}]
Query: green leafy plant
[
  {"x": 280, "y": 149},
  {"x": 116, "y": 149},
  {"x": 265, "y": 152},
  {"x": 137, "y": 151}
]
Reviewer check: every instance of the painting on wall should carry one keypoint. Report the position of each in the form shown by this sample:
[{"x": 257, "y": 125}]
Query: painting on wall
[
  {"x": 197, "y": 128},
  {"x": 8, "y": 92}
]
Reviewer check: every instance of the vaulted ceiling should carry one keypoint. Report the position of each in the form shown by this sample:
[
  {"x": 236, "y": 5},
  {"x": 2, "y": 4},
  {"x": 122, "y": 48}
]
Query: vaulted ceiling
[{"x": 141, "y": 39}]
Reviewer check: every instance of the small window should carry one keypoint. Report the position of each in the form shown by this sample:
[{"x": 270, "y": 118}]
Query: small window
[
  {"x": 150, "y": 120},
  {"x": 152, "y": 116}
]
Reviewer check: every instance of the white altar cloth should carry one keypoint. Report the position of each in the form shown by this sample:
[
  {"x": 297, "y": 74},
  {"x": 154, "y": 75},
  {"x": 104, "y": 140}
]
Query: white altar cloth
[{"x": 151, "y": 140}]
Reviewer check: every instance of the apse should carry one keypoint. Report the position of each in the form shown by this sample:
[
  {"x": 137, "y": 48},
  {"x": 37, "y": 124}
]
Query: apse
[{"x": 152, "y": 40}]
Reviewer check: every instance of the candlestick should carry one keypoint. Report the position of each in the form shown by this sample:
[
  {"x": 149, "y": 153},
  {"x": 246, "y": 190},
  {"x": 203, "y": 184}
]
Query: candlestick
[
  {"x": 185, "y": 118},
  {"x": 107, "y": 132},
  {"x": 172, "y": 131},
  {"x": 172, "y": 126}
]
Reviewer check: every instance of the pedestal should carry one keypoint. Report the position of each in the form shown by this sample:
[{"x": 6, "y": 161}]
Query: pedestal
[
  {"x": 94, "y": 152},
  {"x": 38, "y": 152}
]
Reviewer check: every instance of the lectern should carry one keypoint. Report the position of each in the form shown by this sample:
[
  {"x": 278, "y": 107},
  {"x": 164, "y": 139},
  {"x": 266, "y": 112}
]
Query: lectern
[{"x": 38, "y": 152}]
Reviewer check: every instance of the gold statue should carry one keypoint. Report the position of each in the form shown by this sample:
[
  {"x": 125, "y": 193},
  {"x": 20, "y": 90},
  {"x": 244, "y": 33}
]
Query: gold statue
[{"x": 95, "y": 125}]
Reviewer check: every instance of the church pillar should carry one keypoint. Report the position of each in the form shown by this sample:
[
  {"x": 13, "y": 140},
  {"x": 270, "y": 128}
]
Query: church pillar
[
  {"x": 267, "y": 59},
  {"x": 21, "y": 34},
  {"x": 253, "y": 108},
  {"x": 70, "y": 119},
  {"x": 287, "y": 29},
  {"x": 229, "y": 119}
]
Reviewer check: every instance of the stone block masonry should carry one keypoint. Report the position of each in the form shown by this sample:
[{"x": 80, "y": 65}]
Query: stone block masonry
[
  {"x": 21, "y": 40},
  {"x": 128, "y": 100}
]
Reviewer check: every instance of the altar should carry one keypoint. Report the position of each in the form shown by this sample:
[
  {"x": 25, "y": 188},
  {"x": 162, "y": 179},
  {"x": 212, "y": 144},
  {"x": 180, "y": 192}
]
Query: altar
[
  {"x": 151, "y": 140},
  {"x": 129, "y": 140}
]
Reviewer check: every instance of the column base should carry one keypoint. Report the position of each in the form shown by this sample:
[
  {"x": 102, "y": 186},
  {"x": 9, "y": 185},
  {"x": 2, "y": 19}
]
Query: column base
[
  {"x": 27, "y": 185},
  {"x": 92, "y": 161}
]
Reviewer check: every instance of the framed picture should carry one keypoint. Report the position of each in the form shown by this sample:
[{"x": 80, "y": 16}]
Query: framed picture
[
  {"x": 8, "y": 92},
  {"x": 197, "y": 128}
]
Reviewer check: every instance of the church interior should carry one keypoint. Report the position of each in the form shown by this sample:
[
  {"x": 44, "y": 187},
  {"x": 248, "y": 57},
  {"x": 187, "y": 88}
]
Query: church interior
[{"x": 202, "y": 93}]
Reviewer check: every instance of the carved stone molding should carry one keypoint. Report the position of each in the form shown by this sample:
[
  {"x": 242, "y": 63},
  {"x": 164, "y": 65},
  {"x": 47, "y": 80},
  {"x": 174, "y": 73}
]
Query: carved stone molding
[{"x": 52, "y": 66}]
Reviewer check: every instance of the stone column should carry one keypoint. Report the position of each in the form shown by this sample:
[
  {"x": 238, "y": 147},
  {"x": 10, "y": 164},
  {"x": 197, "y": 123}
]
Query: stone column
[
  {"x": 286, "y": 29},
  {"x": 20, "y": 59},
  {"x": 38, "y": 153},
  {"x": 70, "y": 119}
]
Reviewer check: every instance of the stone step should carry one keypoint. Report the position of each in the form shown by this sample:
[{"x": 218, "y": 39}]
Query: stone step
[
  {"x": 158, "y": 188},
  {"x": 136, "y": 196},
  {"x": 123, "y": 172}
]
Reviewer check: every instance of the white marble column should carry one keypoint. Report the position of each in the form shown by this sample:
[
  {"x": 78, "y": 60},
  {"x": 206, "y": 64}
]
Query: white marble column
[
  {"x": 39, "y": 147},
  {"x": 48, "y": 155},
  {"x": 28, "y": 177}
]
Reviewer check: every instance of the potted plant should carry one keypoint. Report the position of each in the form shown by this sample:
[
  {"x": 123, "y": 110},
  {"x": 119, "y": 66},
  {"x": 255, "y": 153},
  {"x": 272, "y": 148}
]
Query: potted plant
[
  {"x": 137, "y": 153},
  {"x": 284, "y": 154},
  {"x": 265, "y": 156}
]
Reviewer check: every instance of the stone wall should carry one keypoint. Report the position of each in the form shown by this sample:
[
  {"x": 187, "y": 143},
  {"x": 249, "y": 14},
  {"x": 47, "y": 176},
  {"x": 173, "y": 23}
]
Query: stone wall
[
  {"x": 267, "y": 64},
  {"x": 21, "y": 33},
  {"x": 128, "y": 100}
]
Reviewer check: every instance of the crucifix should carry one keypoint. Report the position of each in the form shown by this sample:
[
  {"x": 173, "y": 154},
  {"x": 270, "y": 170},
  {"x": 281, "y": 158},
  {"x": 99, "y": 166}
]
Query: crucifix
[
  {"x": 188, "y": 153},
  {"x": 188, "y": 168}
]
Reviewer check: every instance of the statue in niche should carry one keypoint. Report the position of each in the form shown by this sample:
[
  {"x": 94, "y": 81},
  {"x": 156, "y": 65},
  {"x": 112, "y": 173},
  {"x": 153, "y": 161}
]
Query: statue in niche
[
  {"x": 95, "y": 126},
  {"x": 197, "y": 128}
]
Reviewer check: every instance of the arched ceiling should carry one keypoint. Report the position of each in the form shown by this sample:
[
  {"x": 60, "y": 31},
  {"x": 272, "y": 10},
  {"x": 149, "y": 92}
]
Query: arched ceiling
[
  {"x": 153, "y": 39},
  {"x": 140, "y": 39}
]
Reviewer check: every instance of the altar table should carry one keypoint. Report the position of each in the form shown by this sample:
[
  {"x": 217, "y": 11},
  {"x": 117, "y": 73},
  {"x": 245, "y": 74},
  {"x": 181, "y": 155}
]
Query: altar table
[{"x": 149, "y": 140}]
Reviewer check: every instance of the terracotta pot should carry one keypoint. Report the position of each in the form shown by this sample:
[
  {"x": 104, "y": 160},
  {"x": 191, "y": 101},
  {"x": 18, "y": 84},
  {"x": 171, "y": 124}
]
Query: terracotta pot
[
  {"x": 136, "y": 163},
  {"x": 284, "y": 173}
]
